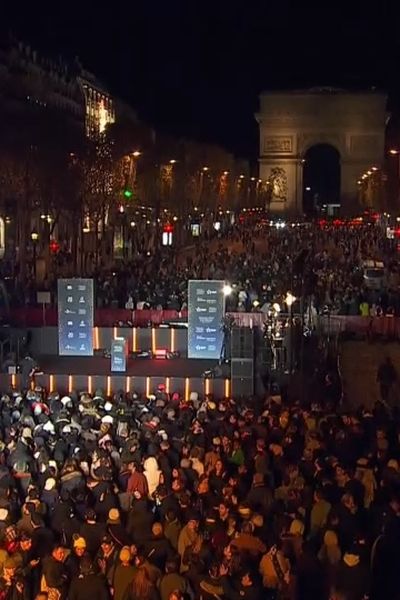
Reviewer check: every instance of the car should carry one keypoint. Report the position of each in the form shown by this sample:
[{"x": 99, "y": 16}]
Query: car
[{"x": 374, "y": 274}]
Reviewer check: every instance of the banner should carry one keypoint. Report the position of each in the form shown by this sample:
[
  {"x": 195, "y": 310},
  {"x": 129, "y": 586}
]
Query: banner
[
  {"x": 206, "y": 311},
  {"x": 119, "y": 353},
  {"x": 75, "y": 317}
]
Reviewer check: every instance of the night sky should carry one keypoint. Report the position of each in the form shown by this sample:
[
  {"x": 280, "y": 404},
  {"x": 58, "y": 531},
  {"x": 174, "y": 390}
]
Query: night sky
[{"x": 196, "y": 68}]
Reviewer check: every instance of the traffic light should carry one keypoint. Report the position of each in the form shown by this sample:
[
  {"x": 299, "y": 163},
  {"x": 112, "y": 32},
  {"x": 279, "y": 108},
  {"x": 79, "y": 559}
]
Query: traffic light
[
  {"x": 54, "y": 247},
  {"x": 128, "y": 193}
]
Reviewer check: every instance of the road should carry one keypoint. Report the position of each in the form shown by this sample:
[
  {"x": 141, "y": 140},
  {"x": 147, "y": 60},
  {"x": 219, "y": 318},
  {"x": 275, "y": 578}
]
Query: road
[{"x": 359, "y": 362}]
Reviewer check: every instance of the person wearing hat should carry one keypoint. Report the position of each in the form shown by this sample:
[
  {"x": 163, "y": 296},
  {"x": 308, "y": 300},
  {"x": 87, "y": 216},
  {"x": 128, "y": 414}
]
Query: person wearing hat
[
  {"x": 123, "y": 573},
  {"x": 74, "y": 558},
  {"x": 115, "y": 528}
]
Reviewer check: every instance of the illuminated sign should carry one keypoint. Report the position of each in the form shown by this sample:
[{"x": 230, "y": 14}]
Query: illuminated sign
[
  {"x": 75, "y": 317},
  {"x": 205, "y": 314}
]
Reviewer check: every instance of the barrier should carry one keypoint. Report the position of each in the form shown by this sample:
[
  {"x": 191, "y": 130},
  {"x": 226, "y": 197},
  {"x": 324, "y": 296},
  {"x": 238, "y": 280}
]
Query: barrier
[{"x": 31, "y": 316}]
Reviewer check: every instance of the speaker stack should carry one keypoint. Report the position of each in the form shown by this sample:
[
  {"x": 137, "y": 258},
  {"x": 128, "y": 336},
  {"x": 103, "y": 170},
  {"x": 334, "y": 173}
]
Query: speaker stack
[{"x": 242, "y": 361}]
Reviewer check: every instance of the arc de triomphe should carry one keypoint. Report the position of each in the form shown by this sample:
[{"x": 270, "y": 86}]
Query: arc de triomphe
[{"x": 291, "y": 123}]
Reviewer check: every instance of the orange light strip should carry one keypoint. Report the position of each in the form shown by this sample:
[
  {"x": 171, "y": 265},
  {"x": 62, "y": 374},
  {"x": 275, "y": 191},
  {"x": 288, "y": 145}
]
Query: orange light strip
[
  {"x": 134, "y": 339},
  {"x": 127, "y": 385},
  {"x": 172, "y": 344},
  {"x": 96, "y": 339},
  {"x": 115, "y": 333},
  {"x": 51, "y": 383},
  {"x": 167, "y": 384},
  {"x": 108, "y": 385},
  {"x": 207, "y": 386},
  {"x": 187, "y": 389},
  {"x": 89, "y": 384},
  {"x": 153, "y": 340},
  {"x": 148, "y": 382},
  {"x": 70, "y": 383},
  {"x": 13, "y": 380},
  {"x": 227, "y": 388}
]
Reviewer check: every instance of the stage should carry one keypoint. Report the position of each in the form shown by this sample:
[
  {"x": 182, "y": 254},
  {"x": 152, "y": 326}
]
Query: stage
[{"x": 65, "y": 373}]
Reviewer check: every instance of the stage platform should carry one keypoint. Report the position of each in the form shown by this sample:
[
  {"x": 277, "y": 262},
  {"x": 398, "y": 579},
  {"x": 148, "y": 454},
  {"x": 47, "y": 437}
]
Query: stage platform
[{"x": 183, "y": 375}]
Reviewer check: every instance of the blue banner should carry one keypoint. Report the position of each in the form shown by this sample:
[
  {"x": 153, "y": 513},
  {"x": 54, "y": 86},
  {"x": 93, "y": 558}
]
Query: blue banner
[
  {"x": 75, "y": 317},
  {"x": 118, "y": 355},
  {"x": 206, "y": 309}
]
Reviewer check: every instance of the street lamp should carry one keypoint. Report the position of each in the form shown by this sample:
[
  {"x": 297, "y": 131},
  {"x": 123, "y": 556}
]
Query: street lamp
[
  {"x": 289, "y": 301},
  {"x": 227, "y": 289},
  {"x": 172, "y": 161},
  {"x": 136, "y": 154},
  {"x": 34, "y": 238},
  {"x": 205, "y": 169}
]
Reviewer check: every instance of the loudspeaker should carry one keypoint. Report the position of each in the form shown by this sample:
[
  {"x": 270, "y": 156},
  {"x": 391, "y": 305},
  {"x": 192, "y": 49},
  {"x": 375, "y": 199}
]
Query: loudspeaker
[
  {"x": 242, "y": 377},
  {"x": 242, "y": 342}
]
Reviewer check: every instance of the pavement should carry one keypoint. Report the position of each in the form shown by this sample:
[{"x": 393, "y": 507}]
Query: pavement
[{"x": 359, "y": 361}]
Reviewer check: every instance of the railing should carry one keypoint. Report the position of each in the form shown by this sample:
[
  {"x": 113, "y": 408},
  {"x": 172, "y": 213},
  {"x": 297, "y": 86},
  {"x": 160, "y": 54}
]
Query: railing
[
  {"x": 109, "y": 317},
  {"x": 103, "y": 317}
]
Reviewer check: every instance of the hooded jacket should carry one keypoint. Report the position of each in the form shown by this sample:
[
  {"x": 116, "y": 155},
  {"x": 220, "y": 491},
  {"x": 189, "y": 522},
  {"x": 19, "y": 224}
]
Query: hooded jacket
[{"x": 152, "y": 474}]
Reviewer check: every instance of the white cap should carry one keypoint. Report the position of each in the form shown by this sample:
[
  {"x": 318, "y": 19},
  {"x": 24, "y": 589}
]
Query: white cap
[
  {"x": 49, "y": 427},
  {"x": 108, "y": 406},
  {"x": 107, "y": 419}
]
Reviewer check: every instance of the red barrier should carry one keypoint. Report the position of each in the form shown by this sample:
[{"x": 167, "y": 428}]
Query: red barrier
[
  {"x": 31, "y": 316},
  {"x": 108, "y": 317}
]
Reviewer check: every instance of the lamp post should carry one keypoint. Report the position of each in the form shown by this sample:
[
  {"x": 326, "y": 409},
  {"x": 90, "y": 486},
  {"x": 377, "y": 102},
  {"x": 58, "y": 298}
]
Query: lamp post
[
  {"x": 34, "y": 238},
  {"x": 289, "y": 301}
]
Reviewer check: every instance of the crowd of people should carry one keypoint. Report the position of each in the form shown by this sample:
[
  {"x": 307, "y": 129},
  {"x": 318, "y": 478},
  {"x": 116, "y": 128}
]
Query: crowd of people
[
  {"x": 262, "y": 263},
  {"x": 159, "y": 498}
]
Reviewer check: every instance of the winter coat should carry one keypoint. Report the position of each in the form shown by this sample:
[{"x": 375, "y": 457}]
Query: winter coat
[
  {"x": 122, "y": 579},
  {"x": 172, "y": 530},
  {"x": 88, "y": 586},
  {"x": 169, "y": 583},
  {"x": 352, "y": 577},
  {"x": 187, "y": 537},
  {"x": 152, "y": 474},
  {"x": 137, "y": 482}
]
